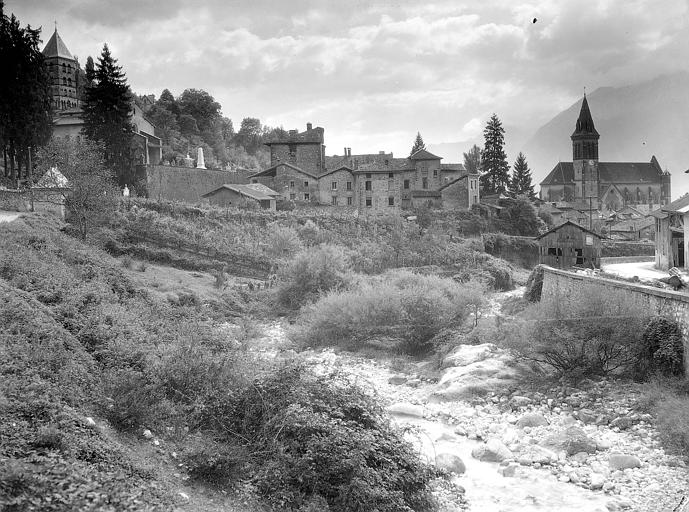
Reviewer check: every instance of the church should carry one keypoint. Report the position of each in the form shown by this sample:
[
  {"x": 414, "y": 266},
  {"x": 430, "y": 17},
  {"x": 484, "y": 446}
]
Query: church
[{"x": 604, "y": 185}]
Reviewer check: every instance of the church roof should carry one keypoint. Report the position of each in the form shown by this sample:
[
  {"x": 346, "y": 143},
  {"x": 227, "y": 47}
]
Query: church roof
[
  {"x": 56, "y": 47},
  {"x": 609, "y": 172},
  {"x": 585, "y": 125}
]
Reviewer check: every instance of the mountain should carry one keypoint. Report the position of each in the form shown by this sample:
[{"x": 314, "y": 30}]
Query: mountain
[{"x": 634, "y": 122}]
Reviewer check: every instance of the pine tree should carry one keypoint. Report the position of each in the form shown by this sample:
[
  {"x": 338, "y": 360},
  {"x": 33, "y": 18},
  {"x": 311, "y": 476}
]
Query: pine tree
[
  {"x": 90, "y": 69},
  {"x": 25, "y": 101},
  {"x": 418, "y": 144},
  {"x": 107, "y": 115},
  {"x": 495, "y": 169},
  {"x": 521, "y": 178}
]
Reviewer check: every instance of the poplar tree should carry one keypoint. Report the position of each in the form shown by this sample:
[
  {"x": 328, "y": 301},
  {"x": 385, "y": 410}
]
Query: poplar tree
[
  {"x": 418, "y": 144},
  {"x": 495, "y": 176},
  {"x": 521, "y": 178},
  {"x": 472, "y": 160},
  {"x": 107, "y": 115}
]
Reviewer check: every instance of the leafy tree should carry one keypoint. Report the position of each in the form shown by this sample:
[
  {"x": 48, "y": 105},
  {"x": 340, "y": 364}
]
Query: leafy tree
[
  {"x": 107, "y": 115},
  {"x": 92, "y": 193},
  {"x": 201, "y": 106},
  {"x": 25, "y": 111},
  {"x": 250, "y": 135},
  {"x": 472, "y": 160},
  {"x": 495, "y": 177},
  {"x": 521, "y": 178},
  {"x": 90, "y": 69},
  {"x": 168, "y": 102},
  {"x": 519, "y": 217},
  {"x": 418, "y": 144}
]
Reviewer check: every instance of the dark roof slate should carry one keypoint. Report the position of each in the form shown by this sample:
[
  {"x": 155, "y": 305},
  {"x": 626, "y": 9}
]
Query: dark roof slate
[
  {"x": 556, "y": 228},
  {"x": 609, "y": 172},
  {"x": 423, "y": 154},
  {"x": 57, "y": 48}
]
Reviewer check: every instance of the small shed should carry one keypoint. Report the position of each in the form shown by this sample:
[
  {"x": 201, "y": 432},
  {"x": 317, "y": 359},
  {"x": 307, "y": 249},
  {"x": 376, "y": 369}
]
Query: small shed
[
  {"x": 569, "y": 245},
  {"x": 239, "y": 195}
]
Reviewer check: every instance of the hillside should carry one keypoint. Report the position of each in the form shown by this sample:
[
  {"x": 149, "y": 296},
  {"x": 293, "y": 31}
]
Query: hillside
[{"x": 635, "y": 122}]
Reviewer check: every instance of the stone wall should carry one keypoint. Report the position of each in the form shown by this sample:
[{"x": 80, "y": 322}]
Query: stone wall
[
  {"x": 558, "y": 284},
  {"x": 185, "y": 183}
]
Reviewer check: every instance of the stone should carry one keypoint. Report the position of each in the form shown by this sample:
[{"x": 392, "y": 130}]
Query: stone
[
  {"x": 597, "y": 481},
  {"x": 460, "y": 431},
  {"x": 520, "y": 401},
  {"x": 450, "y": 463},
  {"x": 406, "y": 409},
  {"x": 156, "y": 442},
  {"x": 608, "y": 486},
  {"x": 397, "y": 380},
  {"x": 572, "y": 440},
  {"x": 465, "y": 355},
  {"x": 90, "y": 422},
  {"x": 586, "y": 416},
  {"x": 507, "y": 471},
  {"x": 602, "y": 445},
  {"x": 621, "y": 461},
  {"x": 200, "y": 162},
  {"x": 492, "y": 451},
  {"x": 533, "y": 454},
  {"x": 580, "y": 457},
  {"x": 183, "y": 495},
  {"x": 532, "y": 419},
  {"x": 147, "y": 434},
  {"x": 622, "y": 422}
]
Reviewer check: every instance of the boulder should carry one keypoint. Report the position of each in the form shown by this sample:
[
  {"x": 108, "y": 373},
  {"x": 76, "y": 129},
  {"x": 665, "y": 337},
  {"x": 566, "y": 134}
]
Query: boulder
[
  {"x": 148, "y": 434},
  {"x": 622, "y": 422},
  {"x": 532, "y": 419},
  {"x": 520, "y": 401},
  {"x": 570, "y": 440},
  {"x": 621, "y": 461},
  {"x": 507, "y": 471},
  {"x": 465, "y": 355},
  {"x": 533, "y": 454},
  {"x": 586, "y": 416},
  {"x": 475, "y": 379},
  {"x": 580, "y": 457},
  {"x": 406, "y": 409},
  {"x": 450, "y": 463},
  {"x": 492, "y": 451}
]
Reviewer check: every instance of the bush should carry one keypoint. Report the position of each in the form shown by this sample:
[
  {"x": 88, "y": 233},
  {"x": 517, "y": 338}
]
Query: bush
[
  {"x": 661, "y": 349},
  {"x": 127, "y": 262},
  {"x": 587, "y": 333},
  {"x": 313, "y": 272},
  {"x": 672, "y": 421},
  {"x": 534, "y": 285},
  {"x": 405, "y": 309}
]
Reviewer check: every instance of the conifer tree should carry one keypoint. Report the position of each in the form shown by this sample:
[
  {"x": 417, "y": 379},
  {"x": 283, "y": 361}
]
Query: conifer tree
[
  {"x": 521, "y": 178},
  {"x": 495, "y": 169},
  {"x": 25, "y": 101},
  {"x": 107, "y": 115},
  {"x": 418, "y": 144}
]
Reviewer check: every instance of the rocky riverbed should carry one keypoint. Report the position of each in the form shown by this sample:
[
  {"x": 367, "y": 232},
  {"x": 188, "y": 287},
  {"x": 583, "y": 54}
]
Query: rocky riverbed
[{"x": 582, "y": 449}]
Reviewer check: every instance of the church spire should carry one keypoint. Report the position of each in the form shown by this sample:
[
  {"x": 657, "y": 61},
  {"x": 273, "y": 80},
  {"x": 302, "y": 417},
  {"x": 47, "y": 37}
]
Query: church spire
[{"x": 585, "y": 125}]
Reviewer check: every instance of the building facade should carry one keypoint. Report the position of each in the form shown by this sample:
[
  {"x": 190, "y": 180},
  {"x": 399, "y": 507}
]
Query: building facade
[
  {"x": 376, "y": 183},
  {"x": 610, "y": 185},
  {"x": 64, "y": 73}
]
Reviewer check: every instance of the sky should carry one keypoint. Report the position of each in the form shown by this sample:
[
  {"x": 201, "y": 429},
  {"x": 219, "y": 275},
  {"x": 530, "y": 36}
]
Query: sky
[{"x": 373, "y": 73}]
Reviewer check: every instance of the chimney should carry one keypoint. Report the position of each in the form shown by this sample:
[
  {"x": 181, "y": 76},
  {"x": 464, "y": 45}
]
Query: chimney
[
  {"x": 308, "y": 126},
  {"x": 381, "y": 152},
  {"x": 349, "y": 151},
  {"x": 345, "y": 151}
]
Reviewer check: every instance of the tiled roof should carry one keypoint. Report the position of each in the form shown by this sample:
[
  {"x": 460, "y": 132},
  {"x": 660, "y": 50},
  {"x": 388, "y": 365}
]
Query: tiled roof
[
  {"x": 452, "y": 167},
  {"x": 609, "y": 172},
  {"x": 422, "y": 154},
  {"x": 677, "y": 204},
  {"x": 244, "y": 190},
  {"x": 314, "y": 135},
  {"x": 270, "y": 171},
  {"x": 569, "y": 222},
  {"x": 453, "y": 182},
  {"x": 263, "y": 189},
  {"x": 56, "y": 47},
  {"x": 335, "y": 169}
]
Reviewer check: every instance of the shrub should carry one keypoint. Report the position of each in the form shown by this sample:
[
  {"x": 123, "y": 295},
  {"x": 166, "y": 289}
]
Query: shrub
[
  {"x": 588, "y": 333},
  {"x": 404, "y": 308},
  {"x": 283, "y": 241},
  {"x": 127, "y": 262},
  {"x": 534, "y": 285},
  {"x": 673, "y": 423},
  {"x": 312, "y": 272},
  {"x": 661, "y": 349},
  {"x": 142, "y": 266}
]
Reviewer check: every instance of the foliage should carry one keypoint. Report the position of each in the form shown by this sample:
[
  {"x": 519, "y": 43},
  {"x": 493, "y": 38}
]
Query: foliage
[
  {"x": 534, "y": 285},
  {"x": 107, "y": 111},
  {"x": 313, "y": 272},
  {"x": 494, "y": 167},
  {"x": 521, "y": 184},
  {"x": 672, "y": 421},
  {"x": 587, "y": 333},
  {"x": 92, "y": 195},
  {"x": 401, "y": 309},
  {"x": 661, "y": 350},
  {"x": 472, "y": 160},
  {"x": 25, "y": 109},
  {"x": 418, "y": 144},
  {"x": 518, "y": 250},
  {"x": 518, "y": 217}
]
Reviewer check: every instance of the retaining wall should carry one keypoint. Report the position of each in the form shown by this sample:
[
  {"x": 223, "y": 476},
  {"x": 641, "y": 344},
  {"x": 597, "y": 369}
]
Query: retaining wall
[
  {"x": 185, "y": 183},
  {"x": 558, "y": 284}
]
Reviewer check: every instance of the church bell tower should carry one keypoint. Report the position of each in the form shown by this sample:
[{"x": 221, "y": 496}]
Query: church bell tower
[{"x": 585, "y": 155}]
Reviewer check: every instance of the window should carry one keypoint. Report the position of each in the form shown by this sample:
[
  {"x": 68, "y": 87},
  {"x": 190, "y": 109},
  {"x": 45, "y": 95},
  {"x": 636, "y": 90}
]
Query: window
[
  {"x": 580, "y": 256},
  {"x": 292, "y": 197},
  {"x": 292, "y": 150},
  {"x": 306, "y": 196},
  {"x": 391, "y": 175},
  {"x": 391, "y": 201},
  {"x": 291, "y": 184},
  {"x": 471, "y": 185},
  {"x": 368, "y": 185},
  {"x": 387, "y": 162},
  {"x": 368, "y": 175},
  {"x": 435, "y": 173},
  {"x": 349, "y": 185},
  {"x": 369, "y": 201},
  {"x": 424, "y": 183},
  {"x": 333, "y": 201},
  {"x": 349, "y": 201},
  {"x": 406, "y": 183},
  {"x": 306, "y": 183},
  {"x": 333, "y": 185}
]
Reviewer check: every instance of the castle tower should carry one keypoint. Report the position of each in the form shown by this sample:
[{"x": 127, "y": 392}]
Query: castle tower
[
  {"x": 585, "y": 155},
  {"x": 64, "y": 74}
]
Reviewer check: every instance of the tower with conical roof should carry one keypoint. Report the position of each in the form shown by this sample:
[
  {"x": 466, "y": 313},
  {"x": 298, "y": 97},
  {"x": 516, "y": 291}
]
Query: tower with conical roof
[
  {"x": 585, "y": 155},
  {"x": 64, "y": 74}
]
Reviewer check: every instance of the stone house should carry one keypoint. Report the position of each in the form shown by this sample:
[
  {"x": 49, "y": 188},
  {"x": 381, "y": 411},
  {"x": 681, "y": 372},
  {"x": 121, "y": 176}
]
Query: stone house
[
  {"x": 461, "y": 193},
  {"x": 229, "y": 195},
  {"x": 290, "y": 182},
  {"x": 336, "y": 187}
]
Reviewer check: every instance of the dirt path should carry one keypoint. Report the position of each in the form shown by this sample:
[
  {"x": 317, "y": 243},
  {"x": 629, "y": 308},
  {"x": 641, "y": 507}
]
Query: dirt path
[{"x": 8, "y": 216}]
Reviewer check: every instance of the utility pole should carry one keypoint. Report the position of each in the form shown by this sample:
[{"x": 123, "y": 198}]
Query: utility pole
[{"x": 590, "y": 214}]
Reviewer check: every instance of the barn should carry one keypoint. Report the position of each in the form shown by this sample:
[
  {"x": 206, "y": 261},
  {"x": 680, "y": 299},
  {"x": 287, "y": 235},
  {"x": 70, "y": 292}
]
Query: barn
[{"x": 569, "y": 245}]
